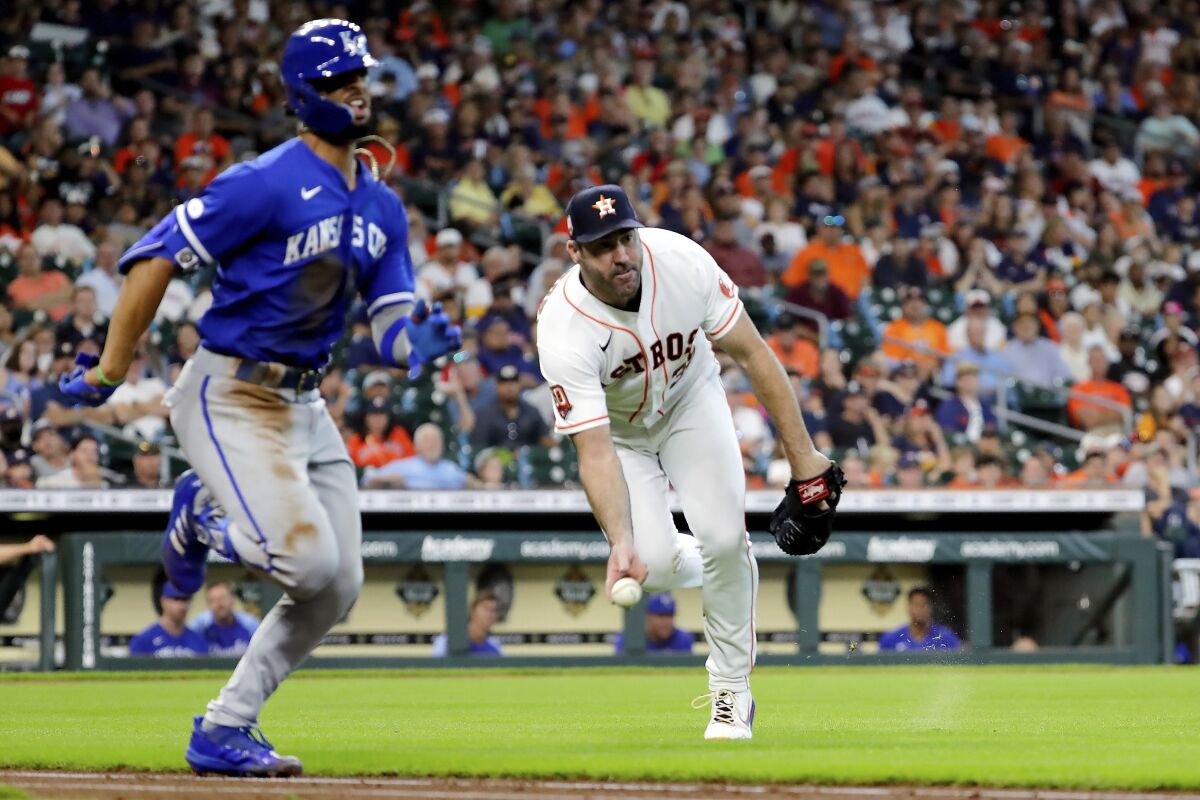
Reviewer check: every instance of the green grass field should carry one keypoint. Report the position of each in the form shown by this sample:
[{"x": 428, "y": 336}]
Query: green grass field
[{"x": 1095, "y": 727}]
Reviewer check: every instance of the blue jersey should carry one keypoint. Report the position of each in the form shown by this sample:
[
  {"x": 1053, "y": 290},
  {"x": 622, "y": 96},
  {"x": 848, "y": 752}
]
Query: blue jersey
[
  {"x": 938, "y": 638},
  {"x": 292, "y": 245},
  {"x": 680, "y": 642},
  {"x": 156, "y": 641},
  {"x": 225, "y": 640},
  {"x": 489, "y": 647}
]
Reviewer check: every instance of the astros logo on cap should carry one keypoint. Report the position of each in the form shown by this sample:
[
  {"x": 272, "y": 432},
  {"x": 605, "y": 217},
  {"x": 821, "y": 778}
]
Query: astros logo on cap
[{"x": 605, "y": 205}]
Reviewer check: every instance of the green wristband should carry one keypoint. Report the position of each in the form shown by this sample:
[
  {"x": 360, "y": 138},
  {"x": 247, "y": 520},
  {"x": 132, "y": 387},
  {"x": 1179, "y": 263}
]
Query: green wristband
[{"x": 104, "y": 381}]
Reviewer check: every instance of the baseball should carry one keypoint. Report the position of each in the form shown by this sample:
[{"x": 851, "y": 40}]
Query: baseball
[{"x": 626, "y": 592}]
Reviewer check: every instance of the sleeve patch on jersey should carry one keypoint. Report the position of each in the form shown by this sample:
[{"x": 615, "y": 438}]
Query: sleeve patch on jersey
[
  {"x": 726, "y": 289},
  {"x": 561, "y": 403},
  {"x": 187, "y": 259}
]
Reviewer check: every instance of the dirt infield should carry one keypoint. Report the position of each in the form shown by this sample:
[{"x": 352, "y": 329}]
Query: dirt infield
[{"x": 147, "y": 786}]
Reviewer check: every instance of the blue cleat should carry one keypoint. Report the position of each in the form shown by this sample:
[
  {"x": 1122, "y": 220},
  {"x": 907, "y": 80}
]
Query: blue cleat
[
  {"x": 196, "y": 525},
  {"x": 238, "y": 752}
]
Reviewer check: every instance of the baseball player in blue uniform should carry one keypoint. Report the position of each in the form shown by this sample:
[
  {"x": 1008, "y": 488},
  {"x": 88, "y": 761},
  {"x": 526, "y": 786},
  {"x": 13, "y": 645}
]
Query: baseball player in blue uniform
[{"x": 295, "y": 234}]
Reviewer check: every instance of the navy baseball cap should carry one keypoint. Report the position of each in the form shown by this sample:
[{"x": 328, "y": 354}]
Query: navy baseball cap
[
  {"x": 597, "y": 211},
  {"x": 173, "y": 592},
  {"x": 661, "y": 603}
]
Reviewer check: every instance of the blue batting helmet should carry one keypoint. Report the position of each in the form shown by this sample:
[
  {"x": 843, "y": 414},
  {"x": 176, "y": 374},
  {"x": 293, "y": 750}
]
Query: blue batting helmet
[{"x": 321, "y": 49}]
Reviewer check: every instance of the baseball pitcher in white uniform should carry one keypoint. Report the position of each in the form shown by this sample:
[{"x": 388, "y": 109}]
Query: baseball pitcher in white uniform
[{"x": 624, "y": 341}]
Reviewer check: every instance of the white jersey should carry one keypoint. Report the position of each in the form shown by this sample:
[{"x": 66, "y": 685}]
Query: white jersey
[{"x": 631, "y": 367}]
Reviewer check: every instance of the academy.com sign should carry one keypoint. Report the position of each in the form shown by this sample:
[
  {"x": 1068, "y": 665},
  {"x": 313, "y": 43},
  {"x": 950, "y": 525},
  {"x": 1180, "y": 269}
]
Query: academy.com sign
[
  {"x": 567, "y": 550},
  {"x": 1009, "y": 549}
]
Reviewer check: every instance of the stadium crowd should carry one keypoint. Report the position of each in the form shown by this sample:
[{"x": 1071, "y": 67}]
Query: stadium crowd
[{"x": 940, "y": 213}]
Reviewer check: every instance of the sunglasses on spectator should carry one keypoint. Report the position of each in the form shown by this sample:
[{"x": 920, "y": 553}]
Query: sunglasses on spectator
[{"x": 834, "y": 220}]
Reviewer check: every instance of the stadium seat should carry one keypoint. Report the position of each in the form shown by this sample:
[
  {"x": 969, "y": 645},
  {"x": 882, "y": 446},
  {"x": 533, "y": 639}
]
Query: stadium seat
[{"x": 548, "y": 467}]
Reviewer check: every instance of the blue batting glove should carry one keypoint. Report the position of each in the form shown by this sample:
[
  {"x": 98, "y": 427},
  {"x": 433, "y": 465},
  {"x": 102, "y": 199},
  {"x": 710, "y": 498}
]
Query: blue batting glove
[
  {"x": 75, "y": 387},
  {"x": 430, "y": 335}
]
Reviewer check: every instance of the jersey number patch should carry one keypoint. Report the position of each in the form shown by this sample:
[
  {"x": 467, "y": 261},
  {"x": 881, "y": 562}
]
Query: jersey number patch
[{"x": 561, "y": 404}]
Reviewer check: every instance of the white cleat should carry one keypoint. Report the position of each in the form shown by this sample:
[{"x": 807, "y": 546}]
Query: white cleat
[{"x": 732, "y": 714}]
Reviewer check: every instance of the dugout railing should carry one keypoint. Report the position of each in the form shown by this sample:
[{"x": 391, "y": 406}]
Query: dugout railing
[{"x": 1140, "y": 569}]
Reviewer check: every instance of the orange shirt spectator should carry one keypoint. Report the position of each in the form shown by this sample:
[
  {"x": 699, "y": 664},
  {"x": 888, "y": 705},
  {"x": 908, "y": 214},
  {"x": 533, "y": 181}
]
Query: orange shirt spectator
[
  {"x": 915, "y": 327},
  {"x": 25, "y": 291},
  {"x": 1088, "y": 414},
  {"x": 1004, "y": 148},
  {"x": 796, "y": 353},
  {"x": 373, "y": 451},
  {"x": 34, "y": 289},
  {"x": 1103, "y": 388},
  {"x": 848, "y": 270}
]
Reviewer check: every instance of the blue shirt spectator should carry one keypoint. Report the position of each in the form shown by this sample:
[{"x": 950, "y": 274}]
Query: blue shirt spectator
[
  {"x": 966, "y": 412},
  {"x": 1034, "y": 358},
  {"x": 921, "y": 633}
]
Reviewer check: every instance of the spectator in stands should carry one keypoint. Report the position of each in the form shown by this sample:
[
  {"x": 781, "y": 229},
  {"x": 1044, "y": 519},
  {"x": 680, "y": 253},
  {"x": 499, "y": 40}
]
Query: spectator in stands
[
  {"x": 898, "y": 395},
  {"x": 11, "y": 553},
  {"x": 661, "y": 634},
  {"x": 909, "y": 472},
  {"x": 36, "y": 290},
  {"x": 96, "y": 113},
  {"x": 821, "y": 295},
  {"x": 497, "y": 349},
  {"x": 966, "y": 412},
  {"x": 1093, "y": 472},
  {"x": 992, "y": 364},
  {"x": 742, "y": 264},
  {"x": 380, "y": 439},
  {"x": 901, "y": 266},
  {"x": 991, "y": 472},
  {"x": 1034, "y": 474},
  {"x": 169, "y": 637},
  {"x": 1034, "y": 358},
  {"x": 52, "y": 454},
  {"x": 979, "y": 307},
  {"x": 473, "y": 205},
  {"x": 915, "y": 335},
  {"x": 848, "y": 269},
  {"x": 1112, "y": 410},
  {"x": 795, "y": 351},
  {"x": 141, "y": 396},
  {"x": 503, "y": 307},
  {"x": 54, "y": 237},
  {"x": 1112, "y": 170},
  {"x": 1072, "y": 347},
  {"x": 18, "y": 94},
  {"x": 508, "y": 421},
  {"x": 480, "y": 641},
  {"x": 83, "y": 471},
  {"x": 646, "y": 101},
  {"x": 147, "y": 467},
  {"x": 201, "y": 141},
  {"x": 858, "y": 425},
  {"x": 1171, "y": 514},
  {"x": 425, "y": 470},
  {"x": 921, "y": 632},
  {"x": 84, "y": 323},
  {"x": 446, "y": 270},
  {"x": 226, "y": 630}
]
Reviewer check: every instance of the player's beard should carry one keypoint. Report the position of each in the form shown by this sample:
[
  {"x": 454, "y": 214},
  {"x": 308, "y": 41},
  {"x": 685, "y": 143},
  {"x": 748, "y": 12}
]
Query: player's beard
[{"x": 351, "y": 133}]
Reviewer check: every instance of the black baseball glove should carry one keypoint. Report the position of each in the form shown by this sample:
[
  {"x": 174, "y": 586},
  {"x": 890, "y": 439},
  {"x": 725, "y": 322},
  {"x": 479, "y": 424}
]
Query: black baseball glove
[{"x": 800, "y": 525}]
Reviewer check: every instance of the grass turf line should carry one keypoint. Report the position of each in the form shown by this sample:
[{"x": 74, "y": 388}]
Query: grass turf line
[{"x": 1083, "y": 727}]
